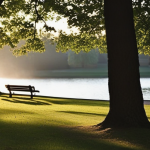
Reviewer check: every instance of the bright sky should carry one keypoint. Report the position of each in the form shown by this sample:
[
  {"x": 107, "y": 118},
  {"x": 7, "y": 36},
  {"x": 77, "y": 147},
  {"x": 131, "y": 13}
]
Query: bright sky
[{"x": 59, "y": 25}]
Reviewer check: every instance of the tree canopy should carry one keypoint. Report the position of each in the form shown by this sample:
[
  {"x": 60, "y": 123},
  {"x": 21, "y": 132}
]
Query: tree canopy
[
  {"x": 19, "y": 21},
  {"x": 142, "y": 25}
]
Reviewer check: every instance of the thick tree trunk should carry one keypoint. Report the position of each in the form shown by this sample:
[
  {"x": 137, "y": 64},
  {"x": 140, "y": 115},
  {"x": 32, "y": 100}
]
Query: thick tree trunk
[
  {"x": 126, "y": 99},
  {"x": 1, "y": 1}
]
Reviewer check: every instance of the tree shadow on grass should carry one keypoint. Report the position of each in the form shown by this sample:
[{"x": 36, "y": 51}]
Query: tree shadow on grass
[
  {"x": 82, "y": 113},
  {"x": 49, "y": 137},
  {"x": 26, "y": 101},
  {"x": 67, "y": 101},
  {"x": 51, "y": 100},
  {"x": 134, "y": 136}
]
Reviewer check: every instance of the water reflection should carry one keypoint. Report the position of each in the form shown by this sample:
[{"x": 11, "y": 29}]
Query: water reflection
[
  {"x": 89, "y": 88},
  {"x": 145, "y": 84}
]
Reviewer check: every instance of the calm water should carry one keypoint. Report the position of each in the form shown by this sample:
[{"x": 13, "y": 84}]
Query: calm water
[{"x": 73, "y": 88}]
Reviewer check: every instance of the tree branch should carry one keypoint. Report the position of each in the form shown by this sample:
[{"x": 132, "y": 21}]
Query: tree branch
[{"x": 39, "y": 17}]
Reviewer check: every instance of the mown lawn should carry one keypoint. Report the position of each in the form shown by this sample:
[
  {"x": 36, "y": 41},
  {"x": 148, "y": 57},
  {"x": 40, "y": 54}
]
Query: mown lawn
[{"x": 44, "y": 123}]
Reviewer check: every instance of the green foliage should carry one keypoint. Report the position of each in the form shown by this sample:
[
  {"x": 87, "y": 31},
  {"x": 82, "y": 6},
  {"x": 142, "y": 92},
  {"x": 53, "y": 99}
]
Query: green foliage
[
  {"x": 80, "y": 42},
  {"x": 19, "y": 19},
  {"x": 35, "y": 44},
  {"x": 19, "y": 22},
  {"x": 87, "y": 15},
  {"x": 83, "y": 59},
  {"x": 142, "y": 25},
  {"x": 89, "y": 18}
]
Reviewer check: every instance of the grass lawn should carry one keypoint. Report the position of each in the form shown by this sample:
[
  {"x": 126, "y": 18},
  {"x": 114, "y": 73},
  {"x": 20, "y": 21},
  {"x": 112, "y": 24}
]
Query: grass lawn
[{"x": 44, "y": 123}]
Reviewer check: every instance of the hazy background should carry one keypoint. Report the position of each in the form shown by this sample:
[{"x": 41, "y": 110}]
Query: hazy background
[{"x": 15, "y": 67}]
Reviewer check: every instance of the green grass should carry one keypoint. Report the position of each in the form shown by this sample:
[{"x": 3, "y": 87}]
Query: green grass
[{"x": 44, "y": 123}]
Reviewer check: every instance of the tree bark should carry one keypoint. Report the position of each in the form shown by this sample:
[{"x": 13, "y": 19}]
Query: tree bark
[
  {"x": 1, "y": 1},
  {"x": 126, "y": 99}
]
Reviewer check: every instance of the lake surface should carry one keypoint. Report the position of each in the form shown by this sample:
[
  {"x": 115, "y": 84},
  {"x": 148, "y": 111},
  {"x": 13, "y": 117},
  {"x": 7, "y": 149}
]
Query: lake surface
[{"x": 89, "y": 88}]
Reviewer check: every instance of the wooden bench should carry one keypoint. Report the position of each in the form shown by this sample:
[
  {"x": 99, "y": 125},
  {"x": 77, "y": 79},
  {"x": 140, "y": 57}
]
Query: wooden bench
[{"x": 21, "y": 88}]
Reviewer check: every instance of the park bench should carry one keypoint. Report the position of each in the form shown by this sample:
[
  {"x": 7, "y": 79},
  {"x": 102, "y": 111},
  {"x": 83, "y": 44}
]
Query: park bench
[{"x": 21, "y": 88}]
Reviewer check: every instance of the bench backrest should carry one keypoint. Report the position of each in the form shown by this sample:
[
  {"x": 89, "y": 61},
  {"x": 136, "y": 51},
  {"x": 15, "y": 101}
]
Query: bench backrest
[{"x": 20, "y": 88}]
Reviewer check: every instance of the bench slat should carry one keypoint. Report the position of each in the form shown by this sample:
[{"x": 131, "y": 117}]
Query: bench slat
[
  {"x": 17, "y": 88},
  {"x": 24, "y": 90},
  {"x": 18, "y": 85}
]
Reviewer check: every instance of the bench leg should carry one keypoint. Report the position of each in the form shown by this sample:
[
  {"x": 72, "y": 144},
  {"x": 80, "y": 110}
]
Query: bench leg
[
  {"x": 10, "y": 94},
  {"x": 31, "y": 91},
  {"x": 31, "y": 95}
]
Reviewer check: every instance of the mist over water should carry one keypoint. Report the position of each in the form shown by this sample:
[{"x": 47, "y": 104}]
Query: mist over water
[
  {"x": 87, "y": 88},
  {"x": 27, "y": 65}
]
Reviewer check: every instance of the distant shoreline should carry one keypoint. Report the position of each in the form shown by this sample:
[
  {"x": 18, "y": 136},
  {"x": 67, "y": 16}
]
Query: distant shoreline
[{"x": 99, "y": 72}]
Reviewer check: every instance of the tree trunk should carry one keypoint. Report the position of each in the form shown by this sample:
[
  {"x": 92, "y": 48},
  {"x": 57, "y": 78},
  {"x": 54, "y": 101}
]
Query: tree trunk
[
  {"x": 126, "y": 99},
  {"x": 1, "y": 1}
]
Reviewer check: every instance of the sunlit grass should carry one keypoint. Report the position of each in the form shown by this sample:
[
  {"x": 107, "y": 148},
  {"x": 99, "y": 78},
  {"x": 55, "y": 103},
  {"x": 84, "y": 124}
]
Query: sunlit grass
[
  {"x": 42, "y": 110},
  {"x": 44, "y": 123}
]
